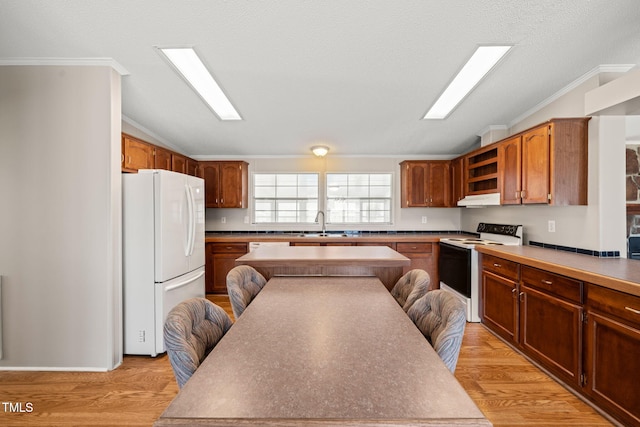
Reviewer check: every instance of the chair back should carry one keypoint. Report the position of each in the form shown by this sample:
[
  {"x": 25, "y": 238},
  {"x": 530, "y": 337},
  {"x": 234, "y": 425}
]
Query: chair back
[
  {"x": 410, "y": 287},
  {"x": 243, "y": 284},
  {"x": 192, "y": 329},
  {"x": 440, "y": 316}
]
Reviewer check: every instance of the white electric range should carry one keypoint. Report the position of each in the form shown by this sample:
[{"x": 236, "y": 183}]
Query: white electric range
[{"x": 458, "y": 262}]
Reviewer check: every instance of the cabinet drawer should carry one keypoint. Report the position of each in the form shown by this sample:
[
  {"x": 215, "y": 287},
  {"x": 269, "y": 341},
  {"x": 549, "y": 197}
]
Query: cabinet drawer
[
  {"x": 227, "y": 248},
  {"x": 501, "y": 267},
  {"x": 619, "y": 304},
  {"x": 413, "y": 247},
  {"x": 558, "y": 285}
]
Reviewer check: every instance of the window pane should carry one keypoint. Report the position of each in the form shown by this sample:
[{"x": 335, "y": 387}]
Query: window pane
[
  {"x": 359, "y": 198},
  {"x": 285, "y": 198}
]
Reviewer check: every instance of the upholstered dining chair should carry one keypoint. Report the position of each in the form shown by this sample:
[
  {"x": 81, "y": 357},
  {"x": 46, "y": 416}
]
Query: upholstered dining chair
[
  {"x": 243, "y": 284},
  {"x": 192, "y": 329},
  {"x": 411, "y": 286},
  {"x": 440, "y": 316}
]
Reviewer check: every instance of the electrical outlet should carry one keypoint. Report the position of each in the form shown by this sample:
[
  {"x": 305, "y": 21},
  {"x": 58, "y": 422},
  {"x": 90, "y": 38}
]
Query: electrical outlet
[
  {"x": 223, "y": 220},
  {"x": 424, "y": 219},
  {"x": 552, "y": 226}
]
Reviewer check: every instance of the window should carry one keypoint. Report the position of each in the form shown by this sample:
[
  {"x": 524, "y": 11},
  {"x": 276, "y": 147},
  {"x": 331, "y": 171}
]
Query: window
[
  {"x": 285, "y": 197},
  {"x": 359, "y": 198}
]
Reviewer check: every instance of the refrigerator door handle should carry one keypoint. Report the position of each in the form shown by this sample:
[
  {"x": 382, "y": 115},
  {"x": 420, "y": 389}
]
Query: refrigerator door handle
[
  {"x": 193, "y": 220},
  {"x": 190, "y": 221},
  {"x": 184, "y": 282}
]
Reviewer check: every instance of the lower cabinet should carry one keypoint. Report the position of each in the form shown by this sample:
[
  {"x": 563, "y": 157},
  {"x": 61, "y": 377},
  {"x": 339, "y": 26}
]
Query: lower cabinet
[
  {"x": 220, "y": 260},
  {"x": 612, "y": 348},
  {"x": 586, "y": 335},
  {"x": 423, "y": 256}
]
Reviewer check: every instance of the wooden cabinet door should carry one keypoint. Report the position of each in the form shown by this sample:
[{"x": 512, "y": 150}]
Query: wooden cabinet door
[
  {"x": 178, "y": 163},
  {"x": 499, "y": 310},
  {"x": 162, "y": 158},
  {"x": 511, "y": 170},
  {"x": 211, "y": 174},
  {"x": 413, "y": 184},
  {"x": 423, "y": 256},
  {"x": 233, "y": 183},
  {"x": 535, "y": 166},
  {"x": 551, "y": 332},
  {"x": 438, "y": 193},
  {"x": 192, "y": 167},
  {"x": 613, "y": 365},
  {"x": 457, "y": 180},
  {"x": 220, "y": 259},
  {"x": 137, "y": 154}
]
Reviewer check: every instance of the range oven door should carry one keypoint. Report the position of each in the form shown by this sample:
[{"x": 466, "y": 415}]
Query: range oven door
[{"x": 454, "y": 267}]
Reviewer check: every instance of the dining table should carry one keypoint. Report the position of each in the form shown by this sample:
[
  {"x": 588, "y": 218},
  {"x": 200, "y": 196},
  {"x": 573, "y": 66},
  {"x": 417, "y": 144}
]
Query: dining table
[{"x": 323, "y": 351}]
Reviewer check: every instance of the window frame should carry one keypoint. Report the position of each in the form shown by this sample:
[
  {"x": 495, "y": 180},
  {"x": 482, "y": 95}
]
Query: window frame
[
  {"x": 389, "y": 200},
  {"x": 256, "y": 200}
]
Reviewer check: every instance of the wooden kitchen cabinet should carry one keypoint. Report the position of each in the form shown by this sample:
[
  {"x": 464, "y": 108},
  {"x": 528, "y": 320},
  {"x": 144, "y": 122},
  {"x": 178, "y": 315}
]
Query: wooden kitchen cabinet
[
  {"x": 457, "y": 180},
  {"x": 546, "y": 164},
  {"x": 481, "y": 171},
  {"x": 136, "y": 154},
  {"x": 423, "y": 256},
  {"x": 161, "y": 158},
  {"x": 499, "y": 305},
  {"x": 551, "y": 322},
  {"x": 193, "y": 167},
  {"x": 425, "y": 183},
  {"x": 178, "y": 163},
  {"x": 612, "y": 348},
  {"x": 226, "y": 184},
  {"x": 220, "y": 259},
  {"x": 541, "y": 314}
]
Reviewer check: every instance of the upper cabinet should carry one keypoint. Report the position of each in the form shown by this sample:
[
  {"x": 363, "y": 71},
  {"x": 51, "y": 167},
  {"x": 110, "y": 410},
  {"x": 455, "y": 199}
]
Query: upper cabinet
[
  {"x": 481, "y": 171},
  {"x": 139, "y": 154},
  {"x": 136, "y": 154},
  {"x": 546, "y": 164},
  {"x": 457, "y": 180},
  {"x": 225, "y": 184},
  {"x": 425, "y": 183}
]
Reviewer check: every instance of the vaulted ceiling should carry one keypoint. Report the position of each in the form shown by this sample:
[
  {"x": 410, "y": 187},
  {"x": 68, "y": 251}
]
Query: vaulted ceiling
[{"x": 356, "y": 75}]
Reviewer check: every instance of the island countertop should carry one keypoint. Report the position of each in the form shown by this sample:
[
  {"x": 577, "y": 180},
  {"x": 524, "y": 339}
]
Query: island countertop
[
  {"x": 379, "y": 256},
  {"x": 619, "y": 274}
]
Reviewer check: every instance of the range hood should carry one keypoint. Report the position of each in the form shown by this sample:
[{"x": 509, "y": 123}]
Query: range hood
[{"x": 480, "y": 200}]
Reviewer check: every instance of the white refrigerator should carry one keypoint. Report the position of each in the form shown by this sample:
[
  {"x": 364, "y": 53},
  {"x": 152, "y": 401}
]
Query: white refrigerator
[{"x": 163, "y": 252}]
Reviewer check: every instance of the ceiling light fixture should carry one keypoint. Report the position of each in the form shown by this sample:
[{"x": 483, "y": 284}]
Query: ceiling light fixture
[
  {"x": 482, "y": 61},
  {"x": 320, "y": 150},
  {"x": 192, "y": 69}
]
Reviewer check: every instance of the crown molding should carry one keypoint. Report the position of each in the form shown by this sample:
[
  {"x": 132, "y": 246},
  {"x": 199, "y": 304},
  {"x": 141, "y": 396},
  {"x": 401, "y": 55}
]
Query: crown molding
[
  {"x": 606, "y": 68},
  {"x": 67, "y": 62}
]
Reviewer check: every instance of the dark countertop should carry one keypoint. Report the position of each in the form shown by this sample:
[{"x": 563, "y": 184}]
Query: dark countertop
[
  {"x": 619, "y": 274},
  {"x": 432, "y": 237}
]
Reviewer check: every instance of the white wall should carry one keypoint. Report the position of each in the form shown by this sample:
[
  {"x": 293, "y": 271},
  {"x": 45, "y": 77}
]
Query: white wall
[
  {"x": 598, "y": 226},
  {"x": 403, "y": 219},
  {"x": 60, "y": 217}
]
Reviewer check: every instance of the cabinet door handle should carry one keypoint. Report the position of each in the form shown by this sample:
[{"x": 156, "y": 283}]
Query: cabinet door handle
[
  {"x": 546, "y": 282},
  {"x": 521, "y": 296},
  {"x": 633, "y": 310},
  {"x": 497, "y": 265},
  {"x": 513, "y": 292},
  {"x": 517, "y": 194},
  {"x": 523, "y": 193}
]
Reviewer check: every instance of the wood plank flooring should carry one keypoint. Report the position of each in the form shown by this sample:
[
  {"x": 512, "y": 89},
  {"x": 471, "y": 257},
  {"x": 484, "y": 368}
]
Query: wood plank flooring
[{"x": 506, "y": 387}]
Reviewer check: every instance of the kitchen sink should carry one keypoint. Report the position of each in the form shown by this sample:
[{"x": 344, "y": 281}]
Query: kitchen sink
[{"x": 322, "y": 235}]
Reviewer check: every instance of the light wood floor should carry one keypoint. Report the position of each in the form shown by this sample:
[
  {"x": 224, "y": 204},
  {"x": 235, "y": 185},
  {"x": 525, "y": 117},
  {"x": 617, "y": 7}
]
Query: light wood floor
[{"x": 506, "y": 387}]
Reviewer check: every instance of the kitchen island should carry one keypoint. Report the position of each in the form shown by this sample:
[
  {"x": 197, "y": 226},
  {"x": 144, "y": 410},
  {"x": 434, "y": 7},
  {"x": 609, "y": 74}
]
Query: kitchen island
[{"x": 379, "y": 261}]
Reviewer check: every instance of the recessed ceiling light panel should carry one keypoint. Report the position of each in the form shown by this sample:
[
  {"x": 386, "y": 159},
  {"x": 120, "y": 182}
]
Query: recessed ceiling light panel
[
  {"x": 482, "y": 61},
  {"x": 192, "y": 69}
]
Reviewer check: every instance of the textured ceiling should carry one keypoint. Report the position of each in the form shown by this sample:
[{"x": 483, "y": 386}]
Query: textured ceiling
[{"x": 354, "y": 75}]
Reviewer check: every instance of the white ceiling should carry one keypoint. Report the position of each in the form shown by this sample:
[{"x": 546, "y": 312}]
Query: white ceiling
[{"x": 356, "y": 75}]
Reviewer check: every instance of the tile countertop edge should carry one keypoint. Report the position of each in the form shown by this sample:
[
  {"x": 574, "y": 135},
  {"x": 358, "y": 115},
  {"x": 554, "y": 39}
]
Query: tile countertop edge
[{"x": 619, "y": 274}]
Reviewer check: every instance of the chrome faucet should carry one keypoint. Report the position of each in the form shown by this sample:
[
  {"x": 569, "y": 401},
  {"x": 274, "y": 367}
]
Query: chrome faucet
[{"x": 324, "y": 226}]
